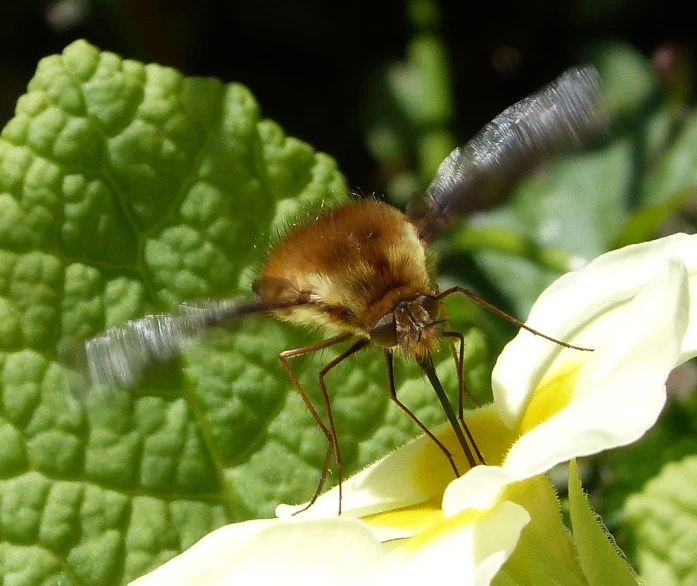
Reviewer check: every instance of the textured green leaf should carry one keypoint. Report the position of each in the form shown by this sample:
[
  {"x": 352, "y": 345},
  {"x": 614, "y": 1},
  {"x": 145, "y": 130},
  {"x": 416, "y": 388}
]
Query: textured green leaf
[
  {"x": 124, "y": 189},
  {"x": 663, "y": 518}
]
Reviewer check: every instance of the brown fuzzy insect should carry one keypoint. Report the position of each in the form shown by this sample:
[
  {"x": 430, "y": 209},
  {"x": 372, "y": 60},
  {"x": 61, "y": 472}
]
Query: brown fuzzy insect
[{"x": 362, "y": 271}]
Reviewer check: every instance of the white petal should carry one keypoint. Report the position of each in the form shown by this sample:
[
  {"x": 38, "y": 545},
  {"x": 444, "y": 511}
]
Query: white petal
[
  {"x": 480, "y": 489},
  {"x": 314, "y": 552},
  {"x": 575, "y": 300},
  {"x": 621, "y": 390},
  {"x": 470, "y": 551},
  {"x": 618, "y": 396},
  {"x": 204, "y": 557}
]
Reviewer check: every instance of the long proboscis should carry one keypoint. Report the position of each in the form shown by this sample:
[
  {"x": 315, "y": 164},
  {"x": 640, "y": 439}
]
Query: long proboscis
[
  {"x": 120, "y": 356},
  {"x": 427, "y": 366},
  {"x": 562, "y": 115}
]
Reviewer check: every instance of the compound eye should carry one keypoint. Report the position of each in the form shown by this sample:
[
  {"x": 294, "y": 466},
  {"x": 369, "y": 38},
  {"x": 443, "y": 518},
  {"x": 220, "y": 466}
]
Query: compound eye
[
  {"x": 385, "y": 331},
  {"x": 431, "y": 305}
]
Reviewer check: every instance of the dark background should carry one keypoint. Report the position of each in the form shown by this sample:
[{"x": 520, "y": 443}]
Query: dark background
[{"x": 308, "y": 62}]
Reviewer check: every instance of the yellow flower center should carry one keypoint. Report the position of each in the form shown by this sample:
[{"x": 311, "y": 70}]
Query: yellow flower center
[
  {"x": 425, "y": 521},
  {"x": 553, "y": 393},
  {"x": 415, "y": 518},
  {"x": 437, "y": 531}
]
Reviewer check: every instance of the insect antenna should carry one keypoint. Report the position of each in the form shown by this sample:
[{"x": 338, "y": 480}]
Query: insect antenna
[{"x": 507, "y": 317}]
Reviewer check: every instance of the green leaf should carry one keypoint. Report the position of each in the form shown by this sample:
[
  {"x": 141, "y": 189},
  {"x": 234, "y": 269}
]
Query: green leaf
[
  {"x": 601, "y": 560},
  {"x": 623, "y": 67},
  {"x": 674, "y": 174},
  {"x": 663, "y": 518},
  {"x": 670, "y": 182},
  {"x": 125, "y": 189},
  {"x": 545, "y": 553},
  {"x": 671, "y": 439}
]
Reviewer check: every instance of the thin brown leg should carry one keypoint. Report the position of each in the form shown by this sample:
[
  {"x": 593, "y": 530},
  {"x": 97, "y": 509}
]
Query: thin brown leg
[
  {"x": 461, "y": 377},
  {"x": 462, "y": 387},
  {"x": 294, "y": 353},
  {"x": 451, "y": 344},
  {"x": 505, "y": 316},
  {"x": 459, "y": 362},
  {"x": 359, "y": 345},
  {"x": 389, "y": 359}
]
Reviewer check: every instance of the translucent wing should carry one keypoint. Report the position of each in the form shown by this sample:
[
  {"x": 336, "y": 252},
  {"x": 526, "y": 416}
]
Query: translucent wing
[
  {"x": 120, "y": 356},
  {"x": 559, "y": 116}
]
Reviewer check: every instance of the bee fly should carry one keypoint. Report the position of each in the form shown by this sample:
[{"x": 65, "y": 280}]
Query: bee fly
[{"x": 362, "y": 270}]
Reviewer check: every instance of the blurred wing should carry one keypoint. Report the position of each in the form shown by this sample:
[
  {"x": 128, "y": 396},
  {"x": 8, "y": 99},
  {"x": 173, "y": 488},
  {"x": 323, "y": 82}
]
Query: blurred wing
[
  {"x": 121, "y": 356},
  {"x": 559, "y": 116}
]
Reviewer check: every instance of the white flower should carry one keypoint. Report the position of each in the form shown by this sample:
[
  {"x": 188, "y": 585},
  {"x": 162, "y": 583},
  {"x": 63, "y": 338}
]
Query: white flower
[
  {"x": 632, "y": 306},
  {"x": 342, "y": 550}
]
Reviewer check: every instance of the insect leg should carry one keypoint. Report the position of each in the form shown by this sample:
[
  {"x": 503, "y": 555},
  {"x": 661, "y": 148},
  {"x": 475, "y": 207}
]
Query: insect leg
[
  {"x": 389, "y": 360},
  {"x": 459, "y": 362},
  {"x": 284, "y": 357},
  {"x": 359, "y": 345},
  {"x": 461, "y": 380}
]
